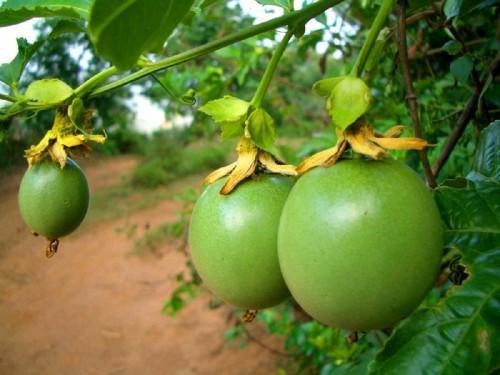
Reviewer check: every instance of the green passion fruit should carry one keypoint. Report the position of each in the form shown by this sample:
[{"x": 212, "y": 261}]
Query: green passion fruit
[
  {"x": 360, "y": 243},
  {"x": 53, "y": 201},
  {"x": 233, "y": 241}
]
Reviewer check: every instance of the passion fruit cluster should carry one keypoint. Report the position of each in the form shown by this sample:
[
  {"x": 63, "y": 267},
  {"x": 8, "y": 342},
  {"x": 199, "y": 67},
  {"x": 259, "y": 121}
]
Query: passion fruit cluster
[{"x": 358, "y": 244}]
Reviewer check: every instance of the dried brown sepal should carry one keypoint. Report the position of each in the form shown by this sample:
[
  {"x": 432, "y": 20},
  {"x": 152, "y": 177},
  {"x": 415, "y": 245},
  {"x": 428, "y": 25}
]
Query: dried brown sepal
[
  {"x": 57, "y": 153},
  {"x": 341, "y": 146},
  {"x": 359, "y": 138},
  {"x": 219, "y": 173},
  {"x": 249, "y": 157},
  {"x": 245, "y": 165},
  {"x": 364, "y": 140},
  {"x": 270, "y": 163},
  {"x": 59, "y": 139},
  {"x": 353, "y": 338},
  {"x": 51, "y": 248},
  {"x": 401, "y": 143},
  {"x": 35, "y": 152},
  {"x": 323, "y": 158},
  {"x": 394, "y": 132},
  {"x": 249, "y": 316}
]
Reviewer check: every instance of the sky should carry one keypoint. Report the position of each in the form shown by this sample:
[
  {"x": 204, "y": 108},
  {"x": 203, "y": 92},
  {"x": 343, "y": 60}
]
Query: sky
[{"x": 149, "y": 115}]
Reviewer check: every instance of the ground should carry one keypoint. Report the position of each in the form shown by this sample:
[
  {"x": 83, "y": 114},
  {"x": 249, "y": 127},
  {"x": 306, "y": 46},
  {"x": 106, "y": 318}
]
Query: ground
[{"x": 95, "y": 307}]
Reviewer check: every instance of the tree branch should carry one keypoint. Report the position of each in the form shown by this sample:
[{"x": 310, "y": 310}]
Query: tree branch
[
  {"x": 457, "y": 132},
  {"x": 464, "y": 119},
  {"x": 435, "y": 51},
  {"x": 433, "y": 9},
  {"x": 411, "y": 97}
]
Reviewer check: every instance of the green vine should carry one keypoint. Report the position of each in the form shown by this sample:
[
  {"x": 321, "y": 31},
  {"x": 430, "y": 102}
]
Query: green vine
[
  {"x": 271, "y": 68},
  {"x": 377, "y": 25},
  {"x": 94, "y": 80},
  {"x": 296, "y": 17},
  {"x": 7, "y": 98}
]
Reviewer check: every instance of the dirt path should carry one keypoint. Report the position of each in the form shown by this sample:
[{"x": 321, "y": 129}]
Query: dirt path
[{"x": 95, "y": 309}]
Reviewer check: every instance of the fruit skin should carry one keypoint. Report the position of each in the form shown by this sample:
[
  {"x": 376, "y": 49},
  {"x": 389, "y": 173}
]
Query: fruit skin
[
  {"x": 233, "y": 240},
  {"x": 53, "y": 201},
  {"x": 360, "y": 243}
]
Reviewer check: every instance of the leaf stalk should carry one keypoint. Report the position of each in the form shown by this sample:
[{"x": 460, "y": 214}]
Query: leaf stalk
[
  {"x": 270, "y": 69},
  {"x": 376, "y": 27}
]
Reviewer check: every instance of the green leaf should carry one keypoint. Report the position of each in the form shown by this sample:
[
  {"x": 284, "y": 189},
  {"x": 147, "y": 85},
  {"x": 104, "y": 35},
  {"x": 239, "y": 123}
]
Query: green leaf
[
  {"x": 231, "y": 129},
  {"x": 452, "y": 47},
  {"x": 458, "y": 336},
  {"x": 122, "y": 30},
  {"x": 65, "y": 27},
  {"x": 285, "y": 4},
  {"x": 484, "y": 4},
  {"x": 486, "y": 165},
  {"x": 226, "y": 109},
  {"x": 452, "y": 8},
  {"x": 48, "y": 91},
  {"x": 261, "y": 127},
  {"x": 472, "y": 216},
  {"x": 461, "y": 334},
  {"x": 461, "y": 68},
  {"x": 324, "y": 87},
  {"x": 229, "y": 112},
  {"x": 16, "y": 11},
  {"x": 11, "y": 72},
  {"x": 349, "y": 99}
]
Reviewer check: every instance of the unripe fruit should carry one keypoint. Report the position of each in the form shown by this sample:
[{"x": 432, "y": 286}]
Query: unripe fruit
[
  {"x": 233, "y": 241},
  {"x": 360, "y": 243},
  {"x": 53, "y": 201}
]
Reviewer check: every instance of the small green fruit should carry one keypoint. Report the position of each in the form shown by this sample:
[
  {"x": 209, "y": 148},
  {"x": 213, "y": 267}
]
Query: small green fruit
[{"x": 53, "y": 201}]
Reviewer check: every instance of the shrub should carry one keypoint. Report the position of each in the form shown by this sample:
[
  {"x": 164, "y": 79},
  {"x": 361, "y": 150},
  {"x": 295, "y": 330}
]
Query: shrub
[{"x": 168, "y": 157}]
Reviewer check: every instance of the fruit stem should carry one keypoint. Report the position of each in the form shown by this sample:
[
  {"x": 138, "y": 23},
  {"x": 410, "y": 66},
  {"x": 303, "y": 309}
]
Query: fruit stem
[
  {"x": 51, "y": 248},
  {"x": 7, "y": 98},
  {"x": 376, "y": 27},
  {"x": 270, "y": 69},
  {"x": 302, "y": 15},
  {"x": 93, "y": 81}
]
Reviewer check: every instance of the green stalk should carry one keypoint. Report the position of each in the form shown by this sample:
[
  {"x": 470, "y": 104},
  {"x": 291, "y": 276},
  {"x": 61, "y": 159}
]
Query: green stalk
[
  {"x": 377, "y": 25},
  {"x": 7, "y": 98},
  {"x": 93, "y": 81},
  {"x": 301, "y": 15},
  {"x": 270, "y": 69}
]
